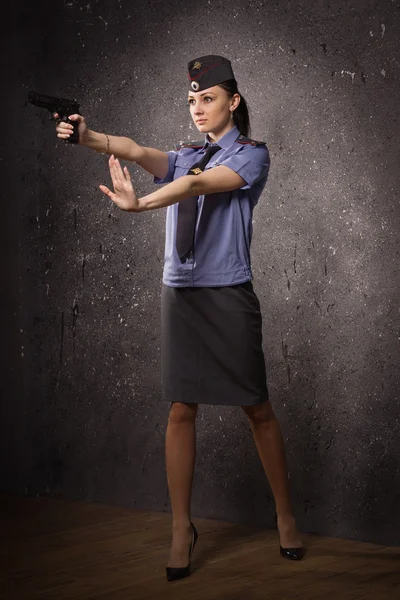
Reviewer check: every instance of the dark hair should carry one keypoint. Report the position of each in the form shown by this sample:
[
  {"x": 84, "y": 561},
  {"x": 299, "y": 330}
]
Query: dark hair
[{"x": 241, "y": 114}]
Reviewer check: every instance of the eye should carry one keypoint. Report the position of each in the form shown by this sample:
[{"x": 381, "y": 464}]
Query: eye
[{"x": 191, "y": 101}]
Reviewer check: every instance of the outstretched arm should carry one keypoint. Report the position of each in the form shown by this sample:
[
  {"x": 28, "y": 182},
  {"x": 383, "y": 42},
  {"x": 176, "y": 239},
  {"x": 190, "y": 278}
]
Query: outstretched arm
[
  {"x": 211, "y": 181},
  {"x": 152, "y": 160},
  {"x": 217, "y": 179}
]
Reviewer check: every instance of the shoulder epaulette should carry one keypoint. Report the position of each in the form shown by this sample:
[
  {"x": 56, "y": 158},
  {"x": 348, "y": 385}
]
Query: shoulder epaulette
[
  {"x": 189, "y": 145},
  {"x": 242, "y": 139}
]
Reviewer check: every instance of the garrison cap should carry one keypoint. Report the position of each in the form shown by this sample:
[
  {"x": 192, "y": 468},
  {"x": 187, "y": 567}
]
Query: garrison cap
[{"x": 206, "y": 71}]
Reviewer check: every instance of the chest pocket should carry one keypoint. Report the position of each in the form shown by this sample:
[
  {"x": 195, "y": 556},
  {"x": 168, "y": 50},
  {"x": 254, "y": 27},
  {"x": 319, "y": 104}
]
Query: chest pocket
[{"x": 182, "y": 165}]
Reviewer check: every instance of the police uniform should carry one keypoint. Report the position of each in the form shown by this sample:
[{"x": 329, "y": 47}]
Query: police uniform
[{"x": 211, "y": 326}]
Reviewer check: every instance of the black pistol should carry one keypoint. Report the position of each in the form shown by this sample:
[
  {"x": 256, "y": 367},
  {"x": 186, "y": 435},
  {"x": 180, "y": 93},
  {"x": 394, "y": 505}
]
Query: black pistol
[{"x": 62, "y": 106}]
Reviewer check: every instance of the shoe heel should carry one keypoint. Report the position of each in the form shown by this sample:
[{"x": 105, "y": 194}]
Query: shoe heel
[
  {"x": 174, "y": 573},
  {"x": 290, "y": 553}
]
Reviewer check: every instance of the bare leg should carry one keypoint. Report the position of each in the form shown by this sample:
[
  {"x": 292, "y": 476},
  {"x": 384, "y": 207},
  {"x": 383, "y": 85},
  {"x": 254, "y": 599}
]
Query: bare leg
[
  {"x": 180, "y": 450},
  {"x": 270, "y": 446}
]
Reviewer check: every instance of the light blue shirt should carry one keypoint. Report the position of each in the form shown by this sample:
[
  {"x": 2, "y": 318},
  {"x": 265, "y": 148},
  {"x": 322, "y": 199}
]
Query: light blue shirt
[{"x": 224, "y": 227}]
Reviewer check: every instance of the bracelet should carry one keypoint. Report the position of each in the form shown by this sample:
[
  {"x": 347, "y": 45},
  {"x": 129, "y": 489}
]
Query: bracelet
[{"x": 108, "y": 143}]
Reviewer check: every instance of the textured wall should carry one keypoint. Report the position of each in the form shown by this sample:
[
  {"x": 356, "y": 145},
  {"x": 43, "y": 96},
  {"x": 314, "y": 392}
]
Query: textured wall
[{"x": 82, "y": 413}]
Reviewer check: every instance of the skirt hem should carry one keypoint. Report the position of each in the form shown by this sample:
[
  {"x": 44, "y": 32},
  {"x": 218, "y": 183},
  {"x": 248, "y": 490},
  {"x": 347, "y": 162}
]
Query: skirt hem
[{"x": 264, "y": 399}]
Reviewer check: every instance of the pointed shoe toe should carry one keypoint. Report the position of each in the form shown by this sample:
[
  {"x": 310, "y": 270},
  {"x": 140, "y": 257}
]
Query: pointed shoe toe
[
  {"x": 292, "y": 553},
  {"x": 174, "y": 573}
]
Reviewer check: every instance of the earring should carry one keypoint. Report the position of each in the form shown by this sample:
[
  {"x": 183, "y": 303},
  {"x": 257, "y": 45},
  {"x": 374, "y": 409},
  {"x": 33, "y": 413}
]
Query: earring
[{"x": 231, "y": 114}]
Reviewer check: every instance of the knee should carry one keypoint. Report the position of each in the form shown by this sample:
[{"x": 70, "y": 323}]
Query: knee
[
  {"x": 260, "y": 414},
  {"x": 181, "y": 412}
]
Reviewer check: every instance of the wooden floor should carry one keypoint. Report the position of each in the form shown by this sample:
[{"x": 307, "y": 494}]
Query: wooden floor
[{"x": 55, "y": 549}]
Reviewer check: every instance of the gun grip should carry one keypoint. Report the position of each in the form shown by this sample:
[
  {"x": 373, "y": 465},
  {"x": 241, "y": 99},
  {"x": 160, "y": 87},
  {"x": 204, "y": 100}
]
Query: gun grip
[{"x": 74, "y": 137}]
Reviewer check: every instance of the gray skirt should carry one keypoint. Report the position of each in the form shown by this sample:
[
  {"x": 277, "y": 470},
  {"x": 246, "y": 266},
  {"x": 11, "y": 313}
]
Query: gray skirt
[{"x": 211, "y": 345}]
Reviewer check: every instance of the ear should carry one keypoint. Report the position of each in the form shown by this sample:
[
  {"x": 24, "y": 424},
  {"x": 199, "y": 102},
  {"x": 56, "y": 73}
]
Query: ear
[{"x": 236, "y": 97}]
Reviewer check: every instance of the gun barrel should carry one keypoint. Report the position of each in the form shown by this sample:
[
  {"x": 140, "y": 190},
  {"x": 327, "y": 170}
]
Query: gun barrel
[{"x": 51, "y": 102}]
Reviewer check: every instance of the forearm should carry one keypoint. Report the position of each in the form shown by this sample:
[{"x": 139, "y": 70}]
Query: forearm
[
  {"x": 121, "y": 147},
  {"x": 173, "y": 192},
  {"x": 152, "y": 160}
]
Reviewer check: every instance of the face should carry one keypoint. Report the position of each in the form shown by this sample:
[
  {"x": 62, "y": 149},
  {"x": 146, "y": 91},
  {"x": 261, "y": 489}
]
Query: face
[{"x": 210, "y": 108}]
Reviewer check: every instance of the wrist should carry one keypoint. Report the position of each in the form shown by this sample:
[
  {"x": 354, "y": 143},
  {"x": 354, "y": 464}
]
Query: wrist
[
  {"x": 140, "y": 206},
  {"x": 94, "y": 140}
]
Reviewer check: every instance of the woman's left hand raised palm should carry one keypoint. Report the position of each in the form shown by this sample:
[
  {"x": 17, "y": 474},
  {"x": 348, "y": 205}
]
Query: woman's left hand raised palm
[{"x": 124, "y": 196}]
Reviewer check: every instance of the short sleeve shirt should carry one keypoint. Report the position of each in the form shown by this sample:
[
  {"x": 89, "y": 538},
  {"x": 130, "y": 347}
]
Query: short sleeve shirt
[{"x": 224, "y": 227}]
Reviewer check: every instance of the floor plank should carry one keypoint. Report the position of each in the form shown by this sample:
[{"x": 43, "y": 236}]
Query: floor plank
[{"x": 61, "y": 549}]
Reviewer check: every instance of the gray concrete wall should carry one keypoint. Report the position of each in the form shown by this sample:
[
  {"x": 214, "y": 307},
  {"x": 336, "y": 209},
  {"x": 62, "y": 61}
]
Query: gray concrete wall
[{"x": 81, "y": 412}]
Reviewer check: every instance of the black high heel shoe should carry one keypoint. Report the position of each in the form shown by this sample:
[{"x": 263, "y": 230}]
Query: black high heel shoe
[
  {"x": 181, "y": 572},
  {"x": 291, "y": 553}
]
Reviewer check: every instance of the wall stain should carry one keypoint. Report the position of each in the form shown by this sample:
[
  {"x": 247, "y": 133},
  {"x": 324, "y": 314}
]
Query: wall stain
[
  {"x": 62, "y": 336},
  {"x": 75, "y": 312},
  {"x": 288, "y": 280},
  {"x": 285, "y": 357}
]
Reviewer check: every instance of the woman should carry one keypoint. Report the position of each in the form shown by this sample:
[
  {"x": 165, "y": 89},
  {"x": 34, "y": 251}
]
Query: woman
[{"x": 211, "y": 321}]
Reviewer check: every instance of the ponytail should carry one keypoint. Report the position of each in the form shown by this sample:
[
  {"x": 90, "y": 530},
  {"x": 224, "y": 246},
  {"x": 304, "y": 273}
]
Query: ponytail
[{"x": 241, "y": 114}]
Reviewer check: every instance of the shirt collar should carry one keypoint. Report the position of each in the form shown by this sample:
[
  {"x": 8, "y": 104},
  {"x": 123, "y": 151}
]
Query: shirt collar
[{"x": 226, "y": 140}]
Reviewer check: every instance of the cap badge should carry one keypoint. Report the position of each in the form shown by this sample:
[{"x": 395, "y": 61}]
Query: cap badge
[
  {"x": 197, "y": 65},
  {"x": 195, "y": 85}
]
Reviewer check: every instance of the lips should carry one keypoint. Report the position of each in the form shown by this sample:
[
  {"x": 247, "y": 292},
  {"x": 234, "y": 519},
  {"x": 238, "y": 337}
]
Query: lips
[{"x": 201, "y": 120}]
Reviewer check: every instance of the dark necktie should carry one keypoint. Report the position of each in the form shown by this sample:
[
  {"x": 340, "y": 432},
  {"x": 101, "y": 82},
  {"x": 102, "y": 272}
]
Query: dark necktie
[{"x": 187, "y": 209}]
